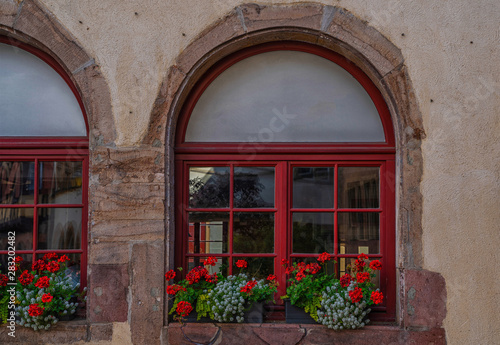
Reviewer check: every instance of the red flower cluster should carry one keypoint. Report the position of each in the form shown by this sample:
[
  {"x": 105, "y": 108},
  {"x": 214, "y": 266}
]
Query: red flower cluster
[
  {"x": 211, "y": 261},
  {"x": 196, "y": 274},
  {"x": 42, "y": 282},
  {"x": 18, "y": 259},
  {"x": 345, "y": 280},
  {"x": 271, "y": 277},
  {"x": 3, "y": 280},
  {"x": 362, "y": 277},
  {"x": 170, "y": 275},
  {"x": 313, "y": 268},
  {"x": 241, "y": 264},
  {"x": 63, "y": 258},
  {"x": 300, "y": 275},
  {"x": 38, "y": 265},
  {"x": 324, "y": 257},
  {"x": 50, "y": 256},
  {"x": 47, "y": 297},
  {"x": 212, "y": 278},
  {"x": 356, "y": 295},
  {"x": 376, "y": 265},
  {"x": 184, "y": 308},
  {"x": 249, "y": 286},
  {"x": 284, "y": 262},
  {"x": 174, "y": 289},
  {"x": 52, "y": 266},
  {"x": 377, "y": 297},
  {"x": 26, "y": 278},
  {"x": 35, "y": 310},
  {"x": 362, "y": 256},
  {"x": 360, "y": 264}
]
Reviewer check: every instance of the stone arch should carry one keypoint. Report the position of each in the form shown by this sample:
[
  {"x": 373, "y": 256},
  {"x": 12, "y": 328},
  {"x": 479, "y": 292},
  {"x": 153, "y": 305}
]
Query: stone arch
[
  {"x": 30, "y": 22},
  {"x": 340, "y": 31}
]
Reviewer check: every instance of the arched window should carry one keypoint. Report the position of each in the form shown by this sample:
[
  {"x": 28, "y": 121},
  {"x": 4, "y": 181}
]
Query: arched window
[
  {"x": 43, "y": 159},
  {"x": 284, "y": 151}
]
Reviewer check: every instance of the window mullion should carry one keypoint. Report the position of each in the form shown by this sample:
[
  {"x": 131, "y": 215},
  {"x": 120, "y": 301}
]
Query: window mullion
[{"x": 231, "y": 216}]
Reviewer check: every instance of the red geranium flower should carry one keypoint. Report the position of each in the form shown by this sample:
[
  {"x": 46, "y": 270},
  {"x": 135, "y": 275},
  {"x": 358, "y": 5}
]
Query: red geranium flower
[
  {"x": 324, "y": 257},
  {"x": 284, "y": 262},
  {"x": 35, "y": 310},
  {"x": 289, "y": 270},
  {"x": 210, "y": 261},
  {"x": 18, "y": 259},
  {"x": 52, "y": 266},
  {"x": 362, "y": 277},
  {"x": 345, "y": 280},
  {"x": 26, "y": 278},
  {"x": 184, "y": 308},
  {"x": 174, "y": 289},
  {"x": 376, "y": 265},
  {"x": 214, "y": 278},
  {"x": 360, "y": 264},
  {"x": 362, "y": 256},
  {"x": 170, "y": 275},
  {"x": 38, "y": 265},
  {"x": 63, "y": 258},
  {"x": 300, "y": 275},
  {"x": 241, "y": 263},
  {"x": 313, "y": 268},
  {"x": 50, "y": 256},
  {"x": 249, "y": 286},
  {"x": 3, "y": 280},
  {"x": 42, "y": 282},
  {"x": 356, "y": 295},
  {"x": 196, "y": 274},
  {"x": 271, "y": 277},
  {"x": 377, "y": 297},
  {"x": 47, "y": 297}
]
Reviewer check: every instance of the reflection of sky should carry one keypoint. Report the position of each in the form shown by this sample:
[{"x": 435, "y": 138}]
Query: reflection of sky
[
  {"x": 34, "y": 99},
  {"x": 329, "y": 104}
]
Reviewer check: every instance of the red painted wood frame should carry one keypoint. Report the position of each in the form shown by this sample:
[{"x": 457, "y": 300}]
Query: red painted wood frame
[
  {"x": 51, "y": 149},
  {"x": 284, "y": 156}
]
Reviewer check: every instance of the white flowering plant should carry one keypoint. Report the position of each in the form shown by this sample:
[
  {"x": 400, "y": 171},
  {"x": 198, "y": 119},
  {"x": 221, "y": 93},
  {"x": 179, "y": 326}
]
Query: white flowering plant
[
  {"x": 45, "y": 294},
  {"x": 336, "y": 303}
]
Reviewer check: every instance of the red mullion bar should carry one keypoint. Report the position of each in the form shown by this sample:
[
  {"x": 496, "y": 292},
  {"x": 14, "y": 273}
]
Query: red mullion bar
[
  {"x": 255, "y": 255},
  {"x": 304, "y": 210},
  {"x": 335, "y": 215},
  {"x": 61, "y": 205},
  {"x": 35, "y": 209},
  {"x": 372, "y": 210},
  {"x": 17, "y": 252},
  {"x": 68, "y": 251},
  {"x": 231, "y": 216},
  {"x": 85, "y": 232},
  {"x": 281, "y": 225},
  {"x": 17, "y": 206}
]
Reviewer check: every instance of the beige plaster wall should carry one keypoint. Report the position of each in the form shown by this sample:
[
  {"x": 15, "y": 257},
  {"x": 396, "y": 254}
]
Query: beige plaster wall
[{"x": 452, "y": 52}]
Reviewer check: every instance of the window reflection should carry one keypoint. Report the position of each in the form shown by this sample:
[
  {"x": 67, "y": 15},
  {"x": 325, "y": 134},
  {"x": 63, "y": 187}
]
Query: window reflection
[
  {"x": 59, "y": 228},
  {"x": 61, "y": 183}
]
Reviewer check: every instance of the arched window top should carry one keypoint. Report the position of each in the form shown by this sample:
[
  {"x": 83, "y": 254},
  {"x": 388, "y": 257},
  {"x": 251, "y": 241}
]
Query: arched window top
[
  {"x": 35, "y": 101},
  {"x": 285, "y": 96}
]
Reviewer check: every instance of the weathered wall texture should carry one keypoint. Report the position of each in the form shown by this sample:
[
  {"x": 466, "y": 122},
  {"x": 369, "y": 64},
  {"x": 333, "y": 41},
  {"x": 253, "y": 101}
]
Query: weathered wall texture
[{"x": 451, "y": 53}]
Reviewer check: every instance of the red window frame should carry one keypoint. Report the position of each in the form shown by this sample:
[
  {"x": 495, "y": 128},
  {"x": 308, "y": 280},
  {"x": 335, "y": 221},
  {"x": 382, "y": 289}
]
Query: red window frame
[
  {"x": 51, "y": 149},
  {"x": 285, "y": 156}
]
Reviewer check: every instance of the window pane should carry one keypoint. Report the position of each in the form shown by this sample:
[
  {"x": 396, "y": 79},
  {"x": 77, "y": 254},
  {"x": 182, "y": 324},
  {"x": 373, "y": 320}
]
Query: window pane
[
  {"x": 61, "y": 183},
  {"x": 285, "y": 96},
  {"x": 25, "y": 264},
  {"x": 359, "y": 187},
  {"x": 59, "y": 228},
  {"x": 198, "y": 261},
  {"x": 209, "y": 187},
  {"x": 313, "y": 187},
  {"x": 208, "y": 232},
  {"x": 20, "y": 221},
  {"x": 313, "y": 232},
  {"x": 253, "y": 232},
  {"x": 260, "y": 267},
  {"x": 253, "y": 187},
  {"x": 17, "y": 182},
  {"x": 358, "y": 233},
  {"x": 35, "y": 100}
]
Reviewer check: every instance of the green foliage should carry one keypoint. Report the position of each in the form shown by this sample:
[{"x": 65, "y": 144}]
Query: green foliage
[{"x": 4, "y": 305}]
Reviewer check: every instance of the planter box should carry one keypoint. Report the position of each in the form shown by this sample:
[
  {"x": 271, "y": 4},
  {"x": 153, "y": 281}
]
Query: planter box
[
  {"x": 296, "y": 315},
  {"x": 253, "y": 315}
]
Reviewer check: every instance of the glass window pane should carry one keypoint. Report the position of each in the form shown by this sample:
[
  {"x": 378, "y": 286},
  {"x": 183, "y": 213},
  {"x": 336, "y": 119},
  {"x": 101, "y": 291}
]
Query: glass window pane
[
  {"x": 208, "y": 232},
  {"x": 17, "y": 182},
  {"x": 222, "y": 263},
  {"x": 313, "y": 232},
  {"x": 253, "y": 187},
  {"x": 209, "y": 187},
  {"x": 359, "y": 187},
  {"x": 285, "y": 96},
  {"x": 20, "y": 221},
  {"x": 61, "y": 183},
  {"x": 313, "y": 187},
  {"x": 59, "y": 228},
  {"x": 359, "y": 233},
  {"x": 35, "y": 100},
  {"x": 260, "y": 267},
  {"x": 253, "y": 232}
]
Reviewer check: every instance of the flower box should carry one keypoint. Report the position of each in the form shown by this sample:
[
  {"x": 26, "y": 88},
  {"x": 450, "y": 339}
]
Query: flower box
[
  {"x": 254, "y": 315},
  {"x": 295, "y": 314}
]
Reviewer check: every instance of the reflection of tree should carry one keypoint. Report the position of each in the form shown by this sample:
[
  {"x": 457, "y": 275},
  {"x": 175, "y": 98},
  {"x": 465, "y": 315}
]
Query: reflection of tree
[
  {"x": 253, "y": 232},
  {"x": 311, "y": 237}
]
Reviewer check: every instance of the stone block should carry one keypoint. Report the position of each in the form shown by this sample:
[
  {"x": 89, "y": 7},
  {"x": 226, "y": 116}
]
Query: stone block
[
  {"x": 61, "y": 333},
  {"x": 425, "y": 299},
  {"x": 198, "y": 333},
  {"x": 101, "y": 332},
  {"x": 147, "y": 285},
  {"x": 257, "y": 17},
  {"x": 35, "y": 21},
  {"x": 108, "y": 253},
  {"x": 127, "y": 230},
  {"x": 436, "y": 336},
  {"x": 367, "y": 335},
  {"x": 8, "y": 11},
  {"x": 280, "y": 335},
  {"x": 107, "y": 293}
]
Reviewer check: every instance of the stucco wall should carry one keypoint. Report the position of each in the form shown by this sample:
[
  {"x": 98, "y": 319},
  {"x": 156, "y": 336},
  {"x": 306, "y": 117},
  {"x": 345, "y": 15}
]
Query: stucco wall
[{"x": 451, "y": 50}]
